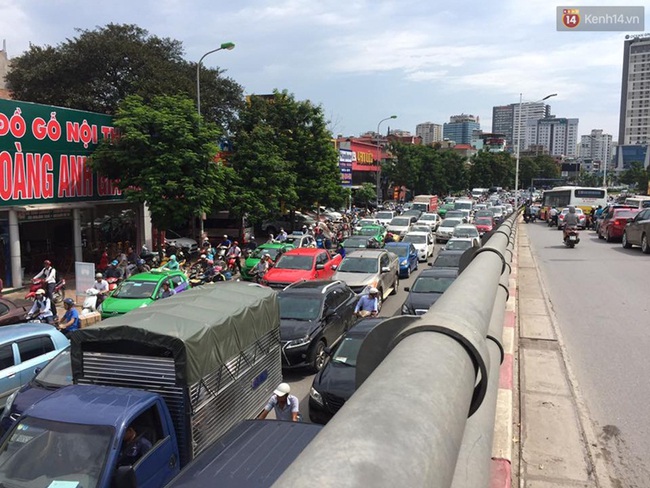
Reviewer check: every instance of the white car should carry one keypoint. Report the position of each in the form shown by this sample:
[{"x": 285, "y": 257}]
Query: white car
[
  {"x": 467, "y": 215},
  {"x": 364, "y": 222},
  {"x": 423, "y": 243},
  {"x": 399, "y": 226},
  {"x": 446, "y": 229},
  {"x": 431, "y": 219},
  {"x": 468, "y": 231},
  {"x": 459, "y": 244},
  {"x": 417, "y": 227},
  {"x": 385, "y": 216}
]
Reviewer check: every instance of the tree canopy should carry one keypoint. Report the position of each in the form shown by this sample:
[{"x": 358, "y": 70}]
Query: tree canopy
[
  {"x": 636, "y": 175},
  {"x": 283, "y": 157},
  {"x": 163, "y": 156},
  {"x": 99, "y": 68}
]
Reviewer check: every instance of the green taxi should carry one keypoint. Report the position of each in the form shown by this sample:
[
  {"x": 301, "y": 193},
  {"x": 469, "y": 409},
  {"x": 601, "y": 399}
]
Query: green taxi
[
  {"x": 272, "y": 249},
  {"x": 141, "y": 290},
  {"x": 442, "y": 211},
  {"x": 376, "y": 231}
]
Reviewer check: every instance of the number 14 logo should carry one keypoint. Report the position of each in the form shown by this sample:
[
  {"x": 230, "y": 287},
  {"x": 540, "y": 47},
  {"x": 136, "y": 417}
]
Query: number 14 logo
[{"x": 571, "y": 17}]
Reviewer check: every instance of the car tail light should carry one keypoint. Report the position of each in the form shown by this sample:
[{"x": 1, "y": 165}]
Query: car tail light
[{"x": 620, "y": 222}]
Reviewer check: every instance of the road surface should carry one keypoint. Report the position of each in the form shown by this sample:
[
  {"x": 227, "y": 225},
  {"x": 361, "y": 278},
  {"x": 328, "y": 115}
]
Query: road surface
[{"x": 600, "y": 294}]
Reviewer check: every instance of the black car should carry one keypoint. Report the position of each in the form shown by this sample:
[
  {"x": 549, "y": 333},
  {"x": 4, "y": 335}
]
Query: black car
[
  {"x": 314, "y": 315},
  {"x": 427, "y": 288},
  {"x": 353, "y": 243},
  {"x": 335, "y": 383},
  {"x": 448, "y": 259}
]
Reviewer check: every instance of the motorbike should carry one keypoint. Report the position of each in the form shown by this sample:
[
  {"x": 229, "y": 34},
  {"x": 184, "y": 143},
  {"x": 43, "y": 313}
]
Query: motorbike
[
  {"x": 149, "y": 257},
  {"x": 57, "y": 296},
  {"x": 552, "y": 221},
  {"x": 571, "y": 237},
  {"x": 90, "y": 302},
  {"x": 113, "y": 283}
]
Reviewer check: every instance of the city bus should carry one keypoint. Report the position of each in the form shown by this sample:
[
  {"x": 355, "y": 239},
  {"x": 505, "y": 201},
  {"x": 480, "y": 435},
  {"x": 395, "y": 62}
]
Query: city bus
[{"x": 577, "y": 196}]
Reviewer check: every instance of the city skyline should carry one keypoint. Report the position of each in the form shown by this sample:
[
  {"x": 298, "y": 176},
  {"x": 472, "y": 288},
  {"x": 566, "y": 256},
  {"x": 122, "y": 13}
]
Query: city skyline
[{"x": 363, "y": 61}]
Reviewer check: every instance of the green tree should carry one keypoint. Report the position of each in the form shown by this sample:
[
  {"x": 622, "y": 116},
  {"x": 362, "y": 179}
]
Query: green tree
[
  {"x": 163, "y": 157},
  {"x": 99, "y": 68},
  {"x": 547, "y": 167},
  {"x": 366, "y": 194},
  {"x": 636, "y": 175},
  {"x": 455, "y": 170},
  {"x": 296, "y": 133},
  {"x": 528, "y": 170}
]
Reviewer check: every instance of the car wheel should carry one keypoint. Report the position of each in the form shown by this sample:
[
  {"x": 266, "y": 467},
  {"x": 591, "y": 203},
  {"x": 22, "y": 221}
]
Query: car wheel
[
  {"x": 395, "y": 285},
  {"x": 608, "y": 237},
  {"x": 600, "y": 236},
  {"x": 624, "y": 241},
  {"x": 318, "y": 357},
  {"x": 408, "y": 272},
  {"x": 645, "y": 246}
]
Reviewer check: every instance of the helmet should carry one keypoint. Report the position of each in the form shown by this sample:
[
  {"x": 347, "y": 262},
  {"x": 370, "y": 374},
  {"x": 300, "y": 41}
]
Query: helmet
[
  {"x": 40, "y": 291},
  {"x": 203, "y": 256},
  {"x": 572, "y": 209},
  {"x": 282, "y": 389},
  {"x": 114, "y": 262},
  {"x": 252, "y": 238},
  {"x": 140, "y": 262},
  {"x": 47, "y": 262},
  {"x": 236, "y": 243},
  {"x": 99, "y": 276},
  {"x": 69, "y": 301},
  {"x": 373, "y": 291},
  {"x": 225, "y": 236},
  {"x": 172, "y": 257}
]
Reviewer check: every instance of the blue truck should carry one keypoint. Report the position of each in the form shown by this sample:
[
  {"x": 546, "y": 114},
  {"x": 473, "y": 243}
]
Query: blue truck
[{"x": 152, "y": 390}]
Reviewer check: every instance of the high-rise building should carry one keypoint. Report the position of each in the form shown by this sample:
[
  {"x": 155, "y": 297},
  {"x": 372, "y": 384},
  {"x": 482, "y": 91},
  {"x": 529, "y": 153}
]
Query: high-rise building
[
  {"x": 596, "y": 146},
  {"x": 429, "y": 132},
  {"x": 556, "y": 135},
  {"x": 634, "y": 118},
  {"x": 4, "y": 69},
  {"x": 463, "y": 129},
  {"x": 506, "y": 117}
]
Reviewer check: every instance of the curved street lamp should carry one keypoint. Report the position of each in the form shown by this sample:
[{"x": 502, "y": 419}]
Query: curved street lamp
[
  {"x": 519, "y": 143},
  {"x": 379, "y": 154},
  {"x": 228, "y": 46}
]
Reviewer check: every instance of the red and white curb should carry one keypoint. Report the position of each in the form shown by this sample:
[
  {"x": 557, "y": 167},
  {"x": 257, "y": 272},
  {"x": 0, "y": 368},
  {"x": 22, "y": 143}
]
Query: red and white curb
[{"x": 501, "y": 469}]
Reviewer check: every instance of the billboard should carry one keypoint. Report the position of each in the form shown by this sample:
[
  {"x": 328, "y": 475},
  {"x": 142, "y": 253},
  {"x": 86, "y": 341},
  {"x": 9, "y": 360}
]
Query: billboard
[
  {"x": 44, "y": 151},
  {"x": 346, "y": 157}
]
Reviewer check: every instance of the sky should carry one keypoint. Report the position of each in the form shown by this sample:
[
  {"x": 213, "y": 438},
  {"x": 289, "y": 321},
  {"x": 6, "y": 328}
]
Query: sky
[{"x": 365, "y": 60}]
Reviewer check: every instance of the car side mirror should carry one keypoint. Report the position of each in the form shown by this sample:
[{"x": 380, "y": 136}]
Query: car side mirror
[
  {"x": 407, "y": 288},
  {"x": 125, "y": 477},
  {"x": 335, "y": 267},
  {"x": 385, "y": 269},
  {"x": 320, "y": 266},
  {"x": 328, "y": 351}
]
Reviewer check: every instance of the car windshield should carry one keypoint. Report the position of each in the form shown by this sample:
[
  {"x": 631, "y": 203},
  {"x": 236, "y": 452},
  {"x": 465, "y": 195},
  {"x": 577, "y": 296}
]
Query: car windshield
[
  {"x": 483, "y": 221},
  {"x": 458, "y": 245},
  {"x": 348, "y": 351},
  {"x": 57, "y": 373},
  {"x": 258, "y": 253},
  {"x": 447, "y": 260},
  {"x": 484, "y": 213},
  {"x": 455, "y": 214},
  {"x": 356, "y": 243},
  {"x": 415, "y": 239},
  {"x": 420, "y": 228},
  {"x": 299, "y": 307},
  {"x": 400, "y": 222},
  {"x": 496, "y": 211},
  {"x": 384, "y": 215},
  {"x": 295, "y": 262},
  {"x": 432, "y": 284},
  {"x": 428, "y": 217},
  {"x": 465, "y": 232},
  {"x": 67, "y": 454},
  {"x": 463, "y": 205},
  {"x": 451, "y": 222},
  {"x": 363, "y": 222},
  {"x": 293, "y": 240},
  {"x": 368, "y": 231},
  {"x": 352, "y": 264},
  {"x": 624, "y": 214},
  {"x": 401, "y": 251},
  {"x": 135, "y": 289}
]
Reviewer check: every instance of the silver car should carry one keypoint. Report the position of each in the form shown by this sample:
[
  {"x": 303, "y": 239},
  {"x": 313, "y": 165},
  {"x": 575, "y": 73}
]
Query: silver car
[
  {"x": 368, "y": 268},
  {"x": 446, "y": 229}
]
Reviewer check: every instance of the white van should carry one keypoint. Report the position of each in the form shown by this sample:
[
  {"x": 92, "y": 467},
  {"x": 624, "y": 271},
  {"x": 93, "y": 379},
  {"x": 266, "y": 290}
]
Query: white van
[{"x": 638, "y": 202}]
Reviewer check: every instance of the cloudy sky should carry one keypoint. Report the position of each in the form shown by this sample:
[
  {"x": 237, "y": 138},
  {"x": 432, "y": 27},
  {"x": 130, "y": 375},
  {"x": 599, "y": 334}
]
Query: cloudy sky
[{"x": 364, "y": 60}]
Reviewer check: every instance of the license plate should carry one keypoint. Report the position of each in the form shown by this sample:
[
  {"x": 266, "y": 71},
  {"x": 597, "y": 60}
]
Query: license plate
[{"x": 573, "y": 238}]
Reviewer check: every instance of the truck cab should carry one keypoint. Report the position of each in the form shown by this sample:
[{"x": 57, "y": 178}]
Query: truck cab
[{"x": 86, "y": 446}]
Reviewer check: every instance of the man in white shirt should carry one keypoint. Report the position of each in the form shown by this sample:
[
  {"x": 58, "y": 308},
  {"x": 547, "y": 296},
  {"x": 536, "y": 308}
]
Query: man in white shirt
[
  {"x": 48, "y": 273},
  {"x": 285, "y": 405},
  {"x": 101, "y": 285}
]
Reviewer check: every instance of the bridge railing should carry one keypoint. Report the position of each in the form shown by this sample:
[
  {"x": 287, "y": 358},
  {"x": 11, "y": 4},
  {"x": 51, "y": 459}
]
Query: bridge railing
[{"x": 423, "y": 413}]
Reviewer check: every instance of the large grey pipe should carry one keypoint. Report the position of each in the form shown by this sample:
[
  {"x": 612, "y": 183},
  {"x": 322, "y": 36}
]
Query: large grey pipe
[{"x": 405, "y": 424}]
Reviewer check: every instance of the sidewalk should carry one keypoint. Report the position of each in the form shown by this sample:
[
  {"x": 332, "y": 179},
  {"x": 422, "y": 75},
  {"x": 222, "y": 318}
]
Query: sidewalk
[{"x": 554, "y": 434}]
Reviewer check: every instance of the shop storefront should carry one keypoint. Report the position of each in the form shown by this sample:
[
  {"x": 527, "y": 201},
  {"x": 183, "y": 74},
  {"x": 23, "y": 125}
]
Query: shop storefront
[{"x": 52, "y": 206}]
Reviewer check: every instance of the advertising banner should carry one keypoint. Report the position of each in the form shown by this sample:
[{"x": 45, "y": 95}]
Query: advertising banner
[
  {"x": 44, "y": 151},
  {"x": 84, "y": 274},
  {"x": 346, "y": 157}
]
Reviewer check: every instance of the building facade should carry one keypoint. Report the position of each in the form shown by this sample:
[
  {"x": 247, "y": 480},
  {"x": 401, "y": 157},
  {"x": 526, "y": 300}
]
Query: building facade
[
  {"x": 429, "y": 132},
  {"x": 634, "y": 119},
  {"x": 558, "y": 136},
  {"x": 463, "y": 129},
  {"x": 596, "y": 147},
  {"x": 506, "y": 120},
  {"x": 627, "y": 154},
  {"x": 4, "y": 69}
]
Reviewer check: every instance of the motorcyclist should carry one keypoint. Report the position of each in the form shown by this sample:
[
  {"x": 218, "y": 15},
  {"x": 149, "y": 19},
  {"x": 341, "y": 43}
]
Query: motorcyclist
[
  {"x": 553, "y": 215},
  {"x": 225, "y": 243},
  {"x": 101, "y": 285},
  {"x": 235, "y": 253},
  {"x": 142, "y": 266},
  {"x": 172, "y": 264},
  {"x": 571, "y": 220},
  {"x": 260, "y": 269},
  {"x": 42, "y": 308},
  {"x": 282, "y": 235},
  {"x": 113, "y": 271}
]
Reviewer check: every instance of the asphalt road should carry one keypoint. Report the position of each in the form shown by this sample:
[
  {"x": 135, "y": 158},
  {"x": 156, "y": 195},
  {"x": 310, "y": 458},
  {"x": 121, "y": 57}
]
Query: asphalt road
[
  {"x": 301, "y": 381},
  {"x": 600, "y": 294}
]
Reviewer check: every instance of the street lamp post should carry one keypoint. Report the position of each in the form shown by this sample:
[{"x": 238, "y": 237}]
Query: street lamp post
[
  {"x": 517, "y": 148},
  {"x": 379, "y": 154},
  {"x": 228, "y": 46}
]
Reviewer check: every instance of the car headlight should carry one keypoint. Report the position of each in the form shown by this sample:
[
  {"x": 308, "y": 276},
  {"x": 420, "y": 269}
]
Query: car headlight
[
  {"x": 406, "y": 310},
  {"x": 404, "y": 263},
  {"x": 314, "y": 395},
  {"x": 143, "y": 305},
  {"x": 10, "y": 402},
  {"x": 298, "y": 342}
]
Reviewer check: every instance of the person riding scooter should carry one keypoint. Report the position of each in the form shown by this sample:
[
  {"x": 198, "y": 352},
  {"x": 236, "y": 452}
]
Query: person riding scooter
[
  {"x": 571, "y": 221},
  {"x": 42, "y": 308}
]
